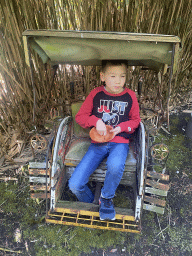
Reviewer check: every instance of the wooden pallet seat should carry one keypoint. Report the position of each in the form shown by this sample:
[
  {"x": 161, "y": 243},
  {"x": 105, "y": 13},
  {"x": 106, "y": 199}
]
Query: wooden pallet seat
[{"x": 78, "y": 149}]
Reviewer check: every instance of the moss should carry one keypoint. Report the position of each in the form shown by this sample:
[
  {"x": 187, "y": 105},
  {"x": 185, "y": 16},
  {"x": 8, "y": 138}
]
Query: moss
[{"x": 63, "y": 240}]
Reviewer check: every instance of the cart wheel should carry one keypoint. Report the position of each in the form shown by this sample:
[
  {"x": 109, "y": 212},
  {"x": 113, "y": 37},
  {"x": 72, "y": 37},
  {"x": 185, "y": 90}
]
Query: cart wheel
[
  {"x": 160, "y": 152},
  {"x": 38, "y": 142}
]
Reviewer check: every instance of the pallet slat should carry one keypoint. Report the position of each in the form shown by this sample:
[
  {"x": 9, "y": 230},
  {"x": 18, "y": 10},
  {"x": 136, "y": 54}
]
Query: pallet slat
[
  {"x": 39, "y": 179},
  {"x": 40, "y": 195},
  {"x": 153, "y": 200},
  {"x": 158, "y": 185},
  {"x": 38, "y": 171},
  {"x": 156, "y": 175},
  {"x": 155, "y": 191},
  {"x": 153, "y": 208},
  {"x": 39, "y": 187},
  {"x": 38, "y": 165}
]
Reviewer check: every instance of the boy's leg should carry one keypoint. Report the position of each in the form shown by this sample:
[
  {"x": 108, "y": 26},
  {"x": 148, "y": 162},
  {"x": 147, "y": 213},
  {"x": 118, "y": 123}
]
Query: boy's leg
[
  {"x": 115, "y": 166},
  {"x": 80, "y": 177}
]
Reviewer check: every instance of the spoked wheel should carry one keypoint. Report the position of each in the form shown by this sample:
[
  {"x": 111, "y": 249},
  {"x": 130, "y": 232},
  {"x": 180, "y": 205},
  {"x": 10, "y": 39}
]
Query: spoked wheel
[
  {"x": 38, "y": 142},
  {"x": 160, "y": 152}
]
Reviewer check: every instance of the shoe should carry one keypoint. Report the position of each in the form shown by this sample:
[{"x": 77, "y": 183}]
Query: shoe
[{"x": 106, "y": 210}]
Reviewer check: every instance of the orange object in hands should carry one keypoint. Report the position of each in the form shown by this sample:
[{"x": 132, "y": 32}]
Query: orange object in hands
[{"x": 101, "y": 138}]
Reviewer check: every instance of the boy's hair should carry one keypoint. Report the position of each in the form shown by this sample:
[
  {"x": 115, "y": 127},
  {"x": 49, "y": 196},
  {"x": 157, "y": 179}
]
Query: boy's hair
[{"x": 106, "y": 63}]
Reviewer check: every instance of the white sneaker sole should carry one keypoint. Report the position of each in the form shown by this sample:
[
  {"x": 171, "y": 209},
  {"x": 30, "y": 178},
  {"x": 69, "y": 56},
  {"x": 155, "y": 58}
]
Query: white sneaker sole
[{"x": 107, "y": 219}]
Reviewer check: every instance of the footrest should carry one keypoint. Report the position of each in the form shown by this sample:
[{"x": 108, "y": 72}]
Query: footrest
[{"x": 90, "y": 219}]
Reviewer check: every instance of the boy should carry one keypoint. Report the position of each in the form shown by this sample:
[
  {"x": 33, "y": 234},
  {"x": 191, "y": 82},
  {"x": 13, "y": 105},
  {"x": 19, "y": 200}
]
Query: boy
[{"x": 113, "y": 105}]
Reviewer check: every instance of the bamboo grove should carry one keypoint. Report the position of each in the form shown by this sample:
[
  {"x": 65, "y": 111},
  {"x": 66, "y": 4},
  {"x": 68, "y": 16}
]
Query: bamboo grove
[{"x": 143, "y": 16}]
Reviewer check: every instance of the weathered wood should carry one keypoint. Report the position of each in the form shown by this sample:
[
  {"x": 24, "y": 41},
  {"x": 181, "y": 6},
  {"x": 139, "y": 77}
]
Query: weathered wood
[
  {"x": 80, "y": 146},
  {"x": 153, "y": 208},
  {"x": 156, "y": 175},
  {"x": 38, "y": 165},
  {"x": 40, "y": 195},
  {"x": 39, "y": 179},
  {"x": 38, "y": 172},
  {"x": 158, "y": 185},
  {"x": 5, "y": 178},
  {"x": 129, "y": 177},
  {"x": 153, "y": 200},
  {"x": 155, "y": 191},
  {"x": 39, "y": 187}
]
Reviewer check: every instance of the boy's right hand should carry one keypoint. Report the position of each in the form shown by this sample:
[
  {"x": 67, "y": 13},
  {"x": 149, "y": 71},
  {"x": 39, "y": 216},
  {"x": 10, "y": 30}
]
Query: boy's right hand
[{"x": 101, "y": 127}]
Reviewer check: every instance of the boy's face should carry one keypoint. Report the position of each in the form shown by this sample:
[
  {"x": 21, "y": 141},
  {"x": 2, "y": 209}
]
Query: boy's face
[{"x": 114, "y": 78}]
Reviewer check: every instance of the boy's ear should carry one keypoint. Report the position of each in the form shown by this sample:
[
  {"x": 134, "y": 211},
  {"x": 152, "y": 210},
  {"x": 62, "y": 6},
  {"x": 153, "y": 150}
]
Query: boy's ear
[{"x": 102, "y": 77}]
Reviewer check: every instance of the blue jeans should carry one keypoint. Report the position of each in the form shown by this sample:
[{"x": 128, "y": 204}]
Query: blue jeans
[{"x": 116, "y": 153}]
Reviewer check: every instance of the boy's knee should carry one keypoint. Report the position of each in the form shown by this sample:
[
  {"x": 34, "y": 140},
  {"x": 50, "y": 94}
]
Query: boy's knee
[
  {"x": 75, "y": 187},
  {"x": 115, "y": 168},
  {"x": 72, "y": 186}
]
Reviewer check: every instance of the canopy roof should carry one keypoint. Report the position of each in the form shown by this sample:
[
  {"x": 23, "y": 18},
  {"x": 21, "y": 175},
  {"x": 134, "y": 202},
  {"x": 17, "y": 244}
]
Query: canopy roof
[{"x": 91, "y": 47}]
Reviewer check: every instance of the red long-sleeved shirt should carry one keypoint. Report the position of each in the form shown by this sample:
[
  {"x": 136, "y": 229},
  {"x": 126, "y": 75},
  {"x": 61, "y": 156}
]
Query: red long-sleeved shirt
[{"x": 114, "y": 109}]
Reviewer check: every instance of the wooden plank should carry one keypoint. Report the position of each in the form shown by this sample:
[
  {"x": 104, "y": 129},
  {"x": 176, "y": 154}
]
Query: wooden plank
[
  {"x": 39, "y": 179},
  {"x": 156, "y": 175},
  {"x": 153, "y": 200},
  {"x": 5, "y": 178},
  {"x": 157, "y": 185},
  {"x": 153, "y": 208},
  {"x": 155, "y": 191},
  {"x": 40, "y": 195},
  {"x": 39, "y": 172},
  {"x": 38, "y": 165},
  {"x": 39, "y": 187}
]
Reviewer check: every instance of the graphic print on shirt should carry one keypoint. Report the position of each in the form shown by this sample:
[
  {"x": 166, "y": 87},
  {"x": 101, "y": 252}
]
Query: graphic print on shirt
[{"x": 111, "y": 110}]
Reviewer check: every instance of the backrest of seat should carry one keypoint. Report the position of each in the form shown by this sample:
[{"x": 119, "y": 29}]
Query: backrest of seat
[{"x": 78, "y": 130}]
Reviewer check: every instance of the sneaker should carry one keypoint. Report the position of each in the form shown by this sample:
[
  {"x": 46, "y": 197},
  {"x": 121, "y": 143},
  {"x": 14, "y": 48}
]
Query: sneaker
[{"x": 106, "y": 211}]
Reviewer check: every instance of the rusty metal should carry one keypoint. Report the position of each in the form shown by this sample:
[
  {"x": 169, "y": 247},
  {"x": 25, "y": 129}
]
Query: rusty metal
[
  {"x": 91, "y": 219},
  {"x": 159, "y": 152},
  {"x": 38, "y": 142}
]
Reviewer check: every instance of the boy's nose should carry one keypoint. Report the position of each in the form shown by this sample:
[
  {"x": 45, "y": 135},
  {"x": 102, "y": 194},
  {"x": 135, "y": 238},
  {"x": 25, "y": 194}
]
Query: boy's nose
[{"x": 118, "y": 80}]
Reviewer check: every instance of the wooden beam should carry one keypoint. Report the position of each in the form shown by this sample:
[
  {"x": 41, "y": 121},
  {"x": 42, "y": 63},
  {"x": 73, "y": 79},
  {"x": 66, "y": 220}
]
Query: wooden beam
[
  {"x": 153, "y": 200},
  {"x": 155, "y": 191},
  {"x": 157, "y": 175},
  {"x": 153, "y": 208},
  {"x": 158, "y": 185}
]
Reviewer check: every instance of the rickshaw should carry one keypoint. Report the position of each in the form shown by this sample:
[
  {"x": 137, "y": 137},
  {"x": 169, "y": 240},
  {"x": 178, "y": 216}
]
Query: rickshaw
[{"x": 66, "y": 149}]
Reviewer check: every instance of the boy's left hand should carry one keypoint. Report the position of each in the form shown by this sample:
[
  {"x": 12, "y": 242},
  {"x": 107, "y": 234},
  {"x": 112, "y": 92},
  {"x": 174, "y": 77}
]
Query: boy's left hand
[{"x": 116, "y": 130}]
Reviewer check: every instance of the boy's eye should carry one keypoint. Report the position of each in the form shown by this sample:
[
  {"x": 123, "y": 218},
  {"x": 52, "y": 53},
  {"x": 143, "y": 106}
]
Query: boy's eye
[{"x": 112, "y": 76}]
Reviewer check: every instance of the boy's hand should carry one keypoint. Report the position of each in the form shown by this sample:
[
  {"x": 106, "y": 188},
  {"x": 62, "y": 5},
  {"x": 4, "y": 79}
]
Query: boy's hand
[
  {"x": 116, "y": 130},
  {"x": 101, "y": 127}
]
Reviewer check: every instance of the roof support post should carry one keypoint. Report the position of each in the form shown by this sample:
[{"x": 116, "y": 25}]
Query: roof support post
[
  {"x": 169, "y": 85},
  {"x": 32, "y": 79}
]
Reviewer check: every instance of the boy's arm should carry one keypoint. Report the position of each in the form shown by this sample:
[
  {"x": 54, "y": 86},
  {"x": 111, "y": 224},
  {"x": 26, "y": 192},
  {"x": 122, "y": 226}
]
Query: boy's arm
[
  {"x": 84, "y": 117},
  {"x": 134, "y": 117}
]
